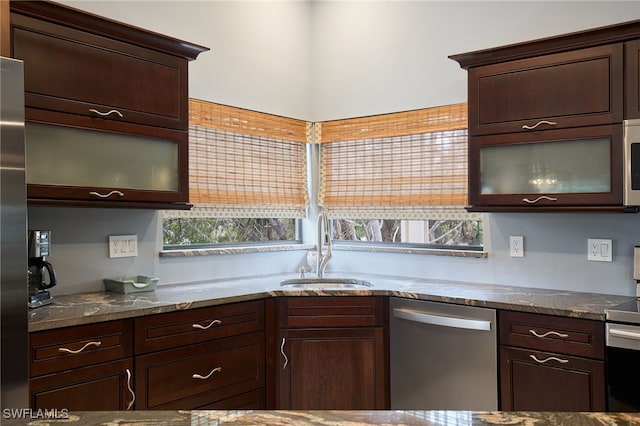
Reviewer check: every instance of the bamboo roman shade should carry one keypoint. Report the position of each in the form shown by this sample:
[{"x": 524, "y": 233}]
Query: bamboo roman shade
[
  {"x": 407, "y": 165},
  {"x": 245, "y": 164}
]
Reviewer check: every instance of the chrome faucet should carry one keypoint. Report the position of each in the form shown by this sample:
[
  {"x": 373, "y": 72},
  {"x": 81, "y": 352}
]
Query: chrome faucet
[{"x": 324, "y": 240}]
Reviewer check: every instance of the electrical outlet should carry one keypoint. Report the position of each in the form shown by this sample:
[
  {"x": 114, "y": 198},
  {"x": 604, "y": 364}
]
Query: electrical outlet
[
  {"x": 123, "y": 246},
  {"x": 599, "y": 250},
  {"x": 516, "y": 246}
]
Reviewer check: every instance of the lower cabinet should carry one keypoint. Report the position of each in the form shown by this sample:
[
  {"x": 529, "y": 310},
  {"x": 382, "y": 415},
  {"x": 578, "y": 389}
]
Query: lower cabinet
[
  {"x": 332, "y": 354},
  {"x": 202, "y": 358},
  {"x": 204, "y": 375},
  {"x": 550, "y": 363},
  {"x": 83, "y": 368},
  {"x": 101, "y": 387}
]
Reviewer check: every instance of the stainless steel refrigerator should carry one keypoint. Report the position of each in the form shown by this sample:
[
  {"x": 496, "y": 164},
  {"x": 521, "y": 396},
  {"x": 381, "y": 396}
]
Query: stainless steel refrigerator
[{"x": 14, "y": 362}]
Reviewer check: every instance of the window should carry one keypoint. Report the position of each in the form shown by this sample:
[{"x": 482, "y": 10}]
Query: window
[
  {"x": 193, "y": 232},
  {"x": 396, "y": 178},
  {"x": 399, "y": 178},
  {"x": 459, "y": 234},
  {"x": 247, "y": 179}
]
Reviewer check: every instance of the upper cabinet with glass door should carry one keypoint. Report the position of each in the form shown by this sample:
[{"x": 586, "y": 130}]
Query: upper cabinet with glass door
[
  {"x": 106, "y": 109},
  {"x": 545, "y": 121}
]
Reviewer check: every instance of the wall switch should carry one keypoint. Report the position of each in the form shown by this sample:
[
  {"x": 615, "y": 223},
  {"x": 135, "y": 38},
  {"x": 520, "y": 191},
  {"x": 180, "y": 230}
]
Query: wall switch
[
  {"x": 599, "y": 250},
  {"x": 123, "y": 246},
  {"x": 516, "y": 246}
]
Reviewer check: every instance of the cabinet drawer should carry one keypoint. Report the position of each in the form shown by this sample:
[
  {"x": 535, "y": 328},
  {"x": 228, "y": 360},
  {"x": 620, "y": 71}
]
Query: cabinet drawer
[
  {"x": 330, "y": 311},
  {"x": 507, "y": 96},
  {"x": 562, "y": 335},
  {"x": 75, "y": 71},
  {"x": 102, "y": 387},
  {"x": 196, "y": 375},
  {"x": 171, "y": 330},
  {"x": 73, "y": 347}
]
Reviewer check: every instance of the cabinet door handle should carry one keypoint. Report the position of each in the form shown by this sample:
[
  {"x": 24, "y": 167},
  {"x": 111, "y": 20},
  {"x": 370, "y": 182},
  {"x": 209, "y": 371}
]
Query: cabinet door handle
[
  {"x": 130, "y": 388},
  {"x": 114, "y": 192},
  {"x": 77, "y": 351},
  {"x": 198, "y": 376},
  {"x": 550, "y": 123},
  {"x": 551, "y": 358},
  {"x": 548, "y": 333},
  {"x": 286, "y": 359},
  {"x": 105, "y": 114},
  {"x": 542, "y": 197},
  {"x": 205, "y": 327}
]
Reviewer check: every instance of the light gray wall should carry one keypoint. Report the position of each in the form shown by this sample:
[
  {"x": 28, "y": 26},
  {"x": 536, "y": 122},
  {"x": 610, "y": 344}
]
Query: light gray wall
[
  {"x": 324, "y": 60},
  {"x": 375, "y": 57}
]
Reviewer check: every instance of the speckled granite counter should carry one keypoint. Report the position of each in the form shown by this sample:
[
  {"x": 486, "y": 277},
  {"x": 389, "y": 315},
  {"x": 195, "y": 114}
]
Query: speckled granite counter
[
  {"x": 87, "y": 308},
  {"x": 335, "y": 418}
]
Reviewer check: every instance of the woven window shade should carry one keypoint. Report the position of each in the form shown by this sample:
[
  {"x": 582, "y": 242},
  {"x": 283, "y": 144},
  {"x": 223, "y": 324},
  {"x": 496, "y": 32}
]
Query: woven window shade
[
  {"x": 408, "y": 165},
  {"x": 245, "y": 163}
]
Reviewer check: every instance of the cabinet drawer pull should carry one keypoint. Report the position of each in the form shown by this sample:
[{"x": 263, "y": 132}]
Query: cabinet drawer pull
[
  {"x": 548, "y": 333},
  {"x": 551, "y": 358},
  {"x": 114, "y": 192},
  {"x": 550, "y": 123},
  {"x": 105, "y": 114},
  {"x": 542, "y": 197},
  {"x": 198, "y": 376},
  {"x": 205, "y": 327},
  {"x": 133, "y": 395},
  {"x": 71, "y": 351},
  {"x": 286, "y": 360}
]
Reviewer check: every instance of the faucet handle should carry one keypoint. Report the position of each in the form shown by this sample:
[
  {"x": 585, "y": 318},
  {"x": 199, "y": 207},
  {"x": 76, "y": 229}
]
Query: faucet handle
[{"x": 302, "y": 271}]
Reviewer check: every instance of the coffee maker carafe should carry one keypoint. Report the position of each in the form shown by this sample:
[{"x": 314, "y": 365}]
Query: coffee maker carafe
[{"x": 40, "y": 275}]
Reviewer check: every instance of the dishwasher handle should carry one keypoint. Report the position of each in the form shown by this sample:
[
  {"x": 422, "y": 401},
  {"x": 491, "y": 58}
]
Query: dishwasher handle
[{"x": 444, "y": 321}]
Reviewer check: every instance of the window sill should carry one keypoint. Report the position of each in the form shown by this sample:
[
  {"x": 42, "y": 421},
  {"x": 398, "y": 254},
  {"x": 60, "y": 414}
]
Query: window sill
[
  {"x": 411, "y": 250},
  {"x": 338, "y": 247},
  {"x": 235, "y": 250}
]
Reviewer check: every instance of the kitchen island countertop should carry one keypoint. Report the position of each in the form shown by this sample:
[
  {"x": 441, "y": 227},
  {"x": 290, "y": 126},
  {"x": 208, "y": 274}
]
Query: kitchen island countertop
[
  {"x": 86, "y": 308},
  {"x": 333, "y": 418}
]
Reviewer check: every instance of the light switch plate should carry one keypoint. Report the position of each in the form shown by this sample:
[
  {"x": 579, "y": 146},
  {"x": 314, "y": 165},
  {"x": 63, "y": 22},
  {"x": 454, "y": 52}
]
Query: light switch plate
[
  {"x": 123, "y": 246},
  {"x": 599, "y": 250}
]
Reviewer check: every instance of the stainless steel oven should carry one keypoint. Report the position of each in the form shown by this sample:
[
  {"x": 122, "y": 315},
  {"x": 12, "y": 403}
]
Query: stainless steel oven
[{"x": 623, "y": 357}]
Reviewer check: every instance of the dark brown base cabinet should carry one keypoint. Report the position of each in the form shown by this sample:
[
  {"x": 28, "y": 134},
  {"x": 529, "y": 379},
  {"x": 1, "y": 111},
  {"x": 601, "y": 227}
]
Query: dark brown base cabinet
[
  {"x": 102, "y": 387},
  {"x": 86, "y": 367},
  {"x": 550, "y": 363},
  {"x": 205, "y": 358},
  {"x": 332, "y": 354},
  {"x": 203, "y": 375}
]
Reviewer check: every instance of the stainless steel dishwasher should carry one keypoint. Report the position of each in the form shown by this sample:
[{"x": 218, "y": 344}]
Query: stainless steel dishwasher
[{"x": 443, "y": 356}]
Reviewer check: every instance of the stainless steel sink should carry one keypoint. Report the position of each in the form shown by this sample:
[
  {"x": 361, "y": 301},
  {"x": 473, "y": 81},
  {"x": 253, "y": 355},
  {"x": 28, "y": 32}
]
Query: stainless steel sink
[{"x": 325, "y": 283}]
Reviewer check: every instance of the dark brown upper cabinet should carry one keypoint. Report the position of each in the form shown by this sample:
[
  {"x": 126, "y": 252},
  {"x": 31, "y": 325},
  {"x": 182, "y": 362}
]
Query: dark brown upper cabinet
[
  {"x": 545, "y": 120},
  {"x": 100, "y": 98}
]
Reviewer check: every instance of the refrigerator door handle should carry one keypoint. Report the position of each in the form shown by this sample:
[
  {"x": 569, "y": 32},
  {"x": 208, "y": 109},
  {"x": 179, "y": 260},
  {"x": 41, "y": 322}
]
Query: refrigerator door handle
[{"x": 444, "y": 321}]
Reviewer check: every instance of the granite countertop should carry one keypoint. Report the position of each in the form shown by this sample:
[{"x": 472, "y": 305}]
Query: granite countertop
[
  {"x": 334, "y": 418},
  {"x": 85, "y": 308}
]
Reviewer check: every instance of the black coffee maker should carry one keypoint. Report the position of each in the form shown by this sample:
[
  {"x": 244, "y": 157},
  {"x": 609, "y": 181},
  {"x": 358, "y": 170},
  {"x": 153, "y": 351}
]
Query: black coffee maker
[{"x": 40, "y": 275}]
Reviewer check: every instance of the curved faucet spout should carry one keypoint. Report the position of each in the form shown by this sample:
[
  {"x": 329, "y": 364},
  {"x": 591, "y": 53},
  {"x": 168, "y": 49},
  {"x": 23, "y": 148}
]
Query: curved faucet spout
[{"x": 324, "y": 240}]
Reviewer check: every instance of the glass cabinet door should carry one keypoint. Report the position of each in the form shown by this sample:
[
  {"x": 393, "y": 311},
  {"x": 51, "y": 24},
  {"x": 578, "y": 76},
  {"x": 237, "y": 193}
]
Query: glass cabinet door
[
  {"x": 59, "y": 156},
  {"x": 571, "y": 166},
  {"x": 546, "y": 168}
]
